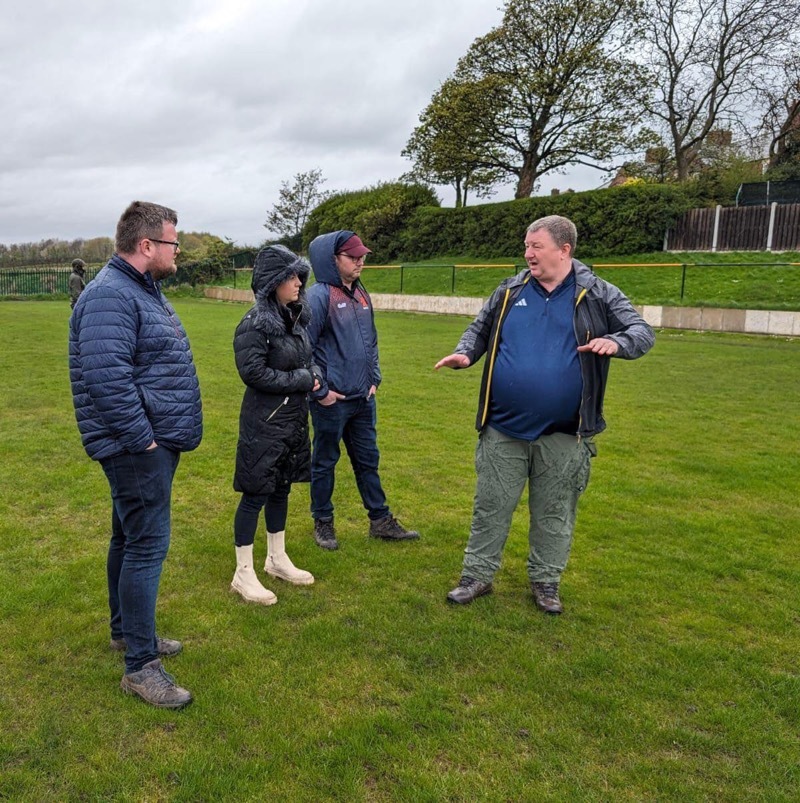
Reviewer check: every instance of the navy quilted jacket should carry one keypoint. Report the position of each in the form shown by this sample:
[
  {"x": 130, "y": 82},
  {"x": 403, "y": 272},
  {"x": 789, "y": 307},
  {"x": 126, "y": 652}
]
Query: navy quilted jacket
[
  {"x": 130, "y": 366},
  {"x": 342, "y": 329}
]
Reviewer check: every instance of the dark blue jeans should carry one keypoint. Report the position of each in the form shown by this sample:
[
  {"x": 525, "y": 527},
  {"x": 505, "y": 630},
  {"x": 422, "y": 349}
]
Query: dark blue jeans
[
  {"x": 141, "y": 487},
  {"x": 351, "y": 421}
]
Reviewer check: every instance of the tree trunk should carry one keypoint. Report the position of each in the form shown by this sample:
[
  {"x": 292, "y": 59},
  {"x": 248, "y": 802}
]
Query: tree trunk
[
  {"x": 527, "y": 178},
  {"x": 459, "y": 203},
  {"x": 682, "y": 159}
]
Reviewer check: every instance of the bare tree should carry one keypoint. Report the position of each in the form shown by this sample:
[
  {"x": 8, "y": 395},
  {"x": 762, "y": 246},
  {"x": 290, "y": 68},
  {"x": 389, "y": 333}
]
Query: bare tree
[
  {"x": 703, "y": 55},
  {"x": 296, "y": 202},
  {"x": 781, "y": 122}
]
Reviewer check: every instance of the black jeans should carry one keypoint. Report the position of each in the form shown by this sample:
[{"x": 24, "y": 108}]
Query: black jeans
[{"x": 141, "y": 488}]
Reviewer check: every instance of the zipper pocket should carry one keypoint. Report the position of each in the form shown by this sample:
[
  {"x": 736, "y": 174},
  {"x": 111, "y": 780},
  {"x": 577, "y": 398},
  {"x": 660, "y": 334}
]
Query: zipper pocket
[{"x": 282, "y": 404}]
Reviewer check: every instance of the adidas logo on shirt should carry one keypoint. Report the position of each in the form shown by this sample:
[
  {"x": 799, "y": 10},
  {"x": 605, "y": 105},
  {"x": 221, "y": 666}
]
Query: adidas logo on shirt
[{"x": 521, "y": 303}]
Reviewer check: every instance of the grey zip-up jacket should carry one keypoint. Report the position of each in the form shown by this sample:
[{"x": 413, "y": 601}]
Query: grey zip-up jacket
[{"x": 601, "y": 310}]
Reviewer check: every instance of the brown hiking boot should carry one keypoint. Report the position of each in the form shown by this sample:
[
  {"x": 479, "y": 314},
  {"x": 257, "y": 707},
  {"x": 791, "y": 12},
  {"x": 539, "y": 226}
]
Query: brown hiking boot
[
  {"x": 389, "y": 529},
  {"x": 545, "y": 595},
  {"x": 467, "y": 590},
  {"x": 155, "y": 686}
]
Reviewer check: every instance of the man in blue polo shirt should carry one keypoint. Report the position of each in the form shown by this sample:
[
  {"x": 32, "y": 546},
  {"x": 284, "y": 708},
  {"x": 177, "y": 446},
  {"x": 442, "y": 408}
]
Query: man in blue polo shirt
[{"x": 549, "y": 334}]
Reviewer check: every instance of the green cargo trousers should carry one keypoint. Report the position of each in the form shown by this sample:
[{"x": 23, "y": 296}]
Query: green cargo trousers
[{"x": 557, "y": 469}]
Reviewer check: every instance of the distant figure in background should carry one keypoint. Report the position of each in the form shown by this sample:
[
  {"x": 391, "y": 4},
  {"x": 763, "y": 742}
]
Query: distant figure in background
[
  {"x": 273, "y": 356},
  {"x": 137, "y": 402},
  {"x": 548, "y": 334},
  {"x": 76, "y": 282},
  {"x": 345, "y": 344}
]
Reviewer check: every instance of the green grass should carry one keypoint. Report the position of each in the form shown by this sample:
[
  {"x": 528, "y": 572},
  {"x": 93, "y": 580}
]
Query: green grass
[
  {"x": 746, "y": 280},
  {"x": 673, "y": 674},
  {"x": 711, "y": 280}
]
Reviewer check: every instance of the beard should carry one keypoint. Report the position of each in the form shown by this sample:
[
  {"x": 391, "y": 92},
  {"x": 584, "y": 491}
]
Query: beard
[{"x": 159, "y": 272}]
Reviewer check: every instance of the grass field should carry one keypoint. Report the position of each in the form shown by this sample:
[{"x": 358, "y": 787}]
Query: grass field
[
  {"x": 747, "y": 280},
  {"x": 673, "y": 675},
  {"x": 735, "y": 280}
]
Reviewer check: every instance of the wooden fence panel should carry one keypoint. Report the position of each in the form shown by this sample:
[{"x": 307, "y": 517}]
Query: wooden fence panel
[
  {"x": 693, "y": 231},
  {"x": 786, "y": 235},
  {"x": 743, "y": 228}
]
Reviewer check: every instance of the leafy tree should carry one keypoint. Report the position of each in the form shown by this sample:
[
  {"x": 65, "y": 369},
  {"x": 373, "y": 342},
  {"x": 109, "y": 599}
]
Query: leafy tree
[
  {"x": 97, "y": 249},
  {"x": 296, "y": 201},
  {"x": 559, "y": 86},
  {"x": 703, "y": 55},
  {"x": 448, "y": 146}
]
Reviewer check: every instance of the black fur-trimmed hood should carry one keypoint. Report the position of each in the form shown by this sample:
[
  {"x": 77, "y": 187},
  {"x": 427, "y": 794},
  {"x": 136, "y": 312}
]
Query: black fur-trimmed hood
[{"x": 274, "y": 265}]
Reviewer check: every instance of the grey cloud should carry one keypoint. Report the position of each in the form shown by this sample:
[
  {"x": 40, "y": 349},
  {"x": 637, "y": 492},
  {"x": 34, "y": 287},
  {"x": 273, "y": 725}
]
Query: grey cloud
[{"x": 207, "y": 105}]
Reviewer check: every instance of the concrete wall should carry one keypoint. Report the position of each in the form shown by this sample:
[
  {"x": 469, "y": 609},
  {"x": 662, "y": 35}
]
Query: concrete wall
[{"x": 714, "y": 319}]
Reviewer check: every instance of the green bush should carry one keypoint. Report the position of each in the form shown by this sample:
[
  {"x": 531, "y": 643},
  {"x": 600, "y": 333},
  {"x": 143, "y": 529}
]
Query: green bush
[
  {"x": 621, "y": 220},
  {"x": 378, "y": 214}
]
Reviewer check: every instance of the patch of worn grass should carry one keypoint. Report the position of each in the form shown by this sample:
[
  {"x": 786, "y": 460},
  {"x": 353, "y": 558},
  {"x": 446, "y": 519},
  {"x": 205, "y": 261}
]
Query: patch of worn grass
[{"x": 672, "y": 675}]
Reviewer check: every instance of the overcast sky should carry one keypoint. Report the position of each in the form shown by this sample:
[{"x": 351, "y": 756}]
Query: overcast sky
[{"x": 207, "y": 105}]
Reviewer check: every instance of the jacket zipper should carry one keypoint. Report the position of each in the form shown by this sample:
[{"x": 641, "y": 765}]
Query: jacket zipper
[
  {"x": 492, "y": 358},
  {"x": 588, "y": 337},
  {"x": 282, "y": 404}
]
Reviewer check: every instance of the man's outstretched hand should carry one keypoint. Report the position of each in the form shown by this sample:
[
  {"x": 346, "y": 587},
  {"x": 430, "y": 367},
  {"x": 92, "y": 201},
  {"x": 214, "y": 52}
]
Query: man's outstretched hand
[
  {"x": 453, "y": 361},
  {"x": 602, "y": 346}
]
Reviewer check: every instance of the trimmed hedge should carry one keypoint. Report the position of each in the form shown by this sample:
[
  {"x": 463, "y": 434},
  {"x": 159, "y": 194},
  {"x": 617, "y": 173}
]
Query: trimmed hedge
[
  {"x": 379, "y": 215},
  {"x": 621, "y": 220}
]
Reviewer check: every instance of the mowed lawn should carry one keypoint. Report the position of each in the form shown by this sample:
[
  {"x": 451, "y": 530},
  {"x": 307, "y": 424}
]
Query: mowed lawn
[
  {"x": 742, "y": 280},
  {"x": 673, "y": 675}
]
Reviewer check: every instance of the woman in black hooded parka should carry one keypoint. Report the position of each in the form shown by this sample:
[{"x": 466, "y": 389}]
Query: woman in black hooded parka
[{"x": 273, "y": 356}]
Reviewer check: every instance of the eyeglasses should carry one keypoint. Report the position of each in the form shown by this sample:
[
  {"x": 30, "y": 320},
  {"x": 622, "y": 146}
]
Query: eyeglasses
[
  {"x": 355, "y": 259},
  {"x": 175, "y": 245}
]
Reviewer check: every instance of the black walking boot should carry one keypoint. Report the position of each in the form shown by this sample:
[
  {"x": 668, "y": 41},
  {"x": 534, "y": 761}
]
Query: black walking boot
[
  {"x": 389, "y": 529},
  {"x": 324, "y": 534}
]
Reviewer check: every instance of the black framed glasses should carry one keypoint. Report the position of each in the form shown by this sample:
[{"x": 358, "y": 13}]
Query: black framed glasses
[{"x": 174, "y": 243}]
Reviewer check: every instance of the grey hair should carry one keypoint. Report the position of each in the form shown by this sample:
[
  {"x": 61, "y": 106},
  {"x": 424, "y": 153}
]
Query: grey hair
[
  {"x": 561, "y": 229},
  {"x": 140, "y": 220}
]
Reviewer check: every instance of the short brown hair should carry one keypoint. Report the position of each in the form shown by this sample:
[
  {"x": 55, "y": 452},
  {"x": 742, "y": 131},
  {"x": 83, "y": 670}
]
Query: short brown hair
[
  {"x": 561, "y": 229},
  {"x": 140, "y": 220}
]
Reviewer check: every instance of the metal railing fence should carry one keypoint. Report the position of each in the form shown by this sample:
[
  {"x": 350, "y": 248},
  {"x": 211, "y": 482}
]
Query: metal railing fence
[
  {"x": 38, "y": 281},
  {"x": 24, "y": 282}
]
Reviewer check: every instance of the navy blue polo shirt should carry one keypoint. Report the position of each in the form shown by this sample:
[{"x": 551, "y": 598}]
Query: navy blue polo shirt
[{"x": 536, "y": 383}]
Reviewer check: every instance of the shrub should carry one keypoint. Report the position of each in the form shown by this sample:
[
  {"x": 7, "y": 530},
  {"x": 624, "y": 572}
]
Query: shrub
[
  {"x": 621, "y": 220},
  {"x": 379, "y": 215}
]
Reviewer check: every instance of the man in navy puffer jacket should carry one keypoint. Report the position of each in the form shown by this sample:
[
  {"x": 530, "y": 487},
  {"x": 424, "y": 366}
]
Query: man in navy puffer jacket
[{"x": 137, "y": 402}]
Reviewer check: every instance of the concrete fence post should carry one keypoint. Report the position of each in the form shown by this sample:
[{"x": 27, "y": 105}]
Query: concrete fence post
[
  {"x": 715, "y": 237},
  {"x": 771, "y": 229}
]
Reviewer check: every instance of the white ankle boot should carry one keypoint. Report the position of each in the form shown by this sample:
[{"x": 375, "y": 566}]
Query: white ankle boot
[
  {"x": 246, "y": 582},
  {"x": 279, "y": 565}
]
